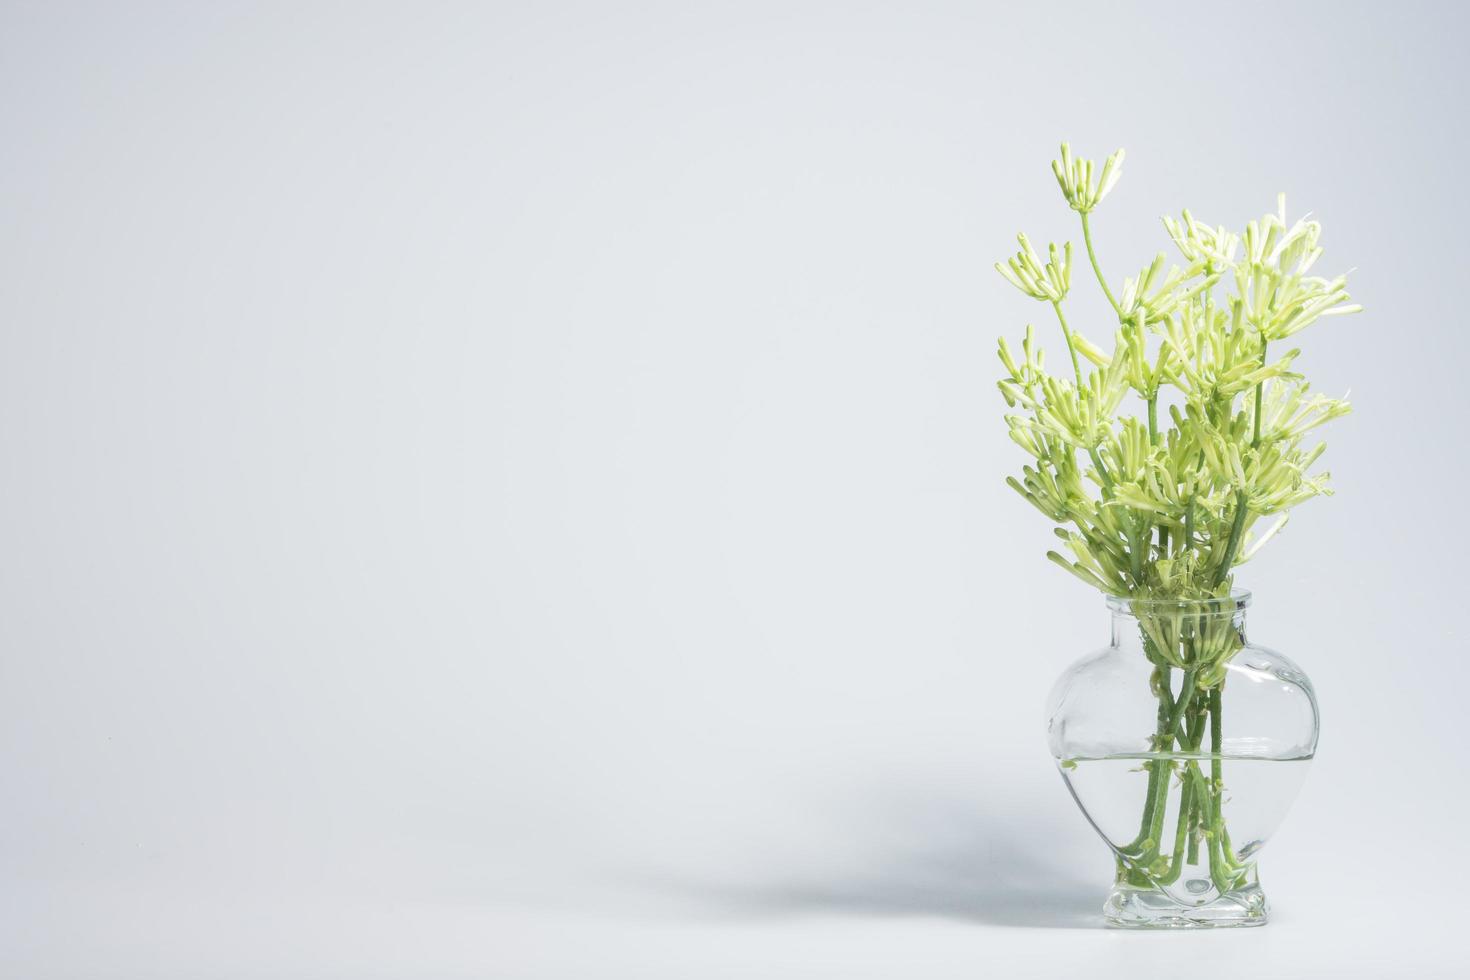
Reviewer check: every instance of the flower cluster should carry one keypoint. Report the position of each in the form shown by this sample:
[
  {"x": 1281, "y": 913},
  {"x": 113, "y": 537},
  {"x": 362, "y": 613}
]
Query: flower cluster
[
  {"x": 1075, "y": 177},
  {"x": 1145, "y": 509},
  {"x": 1049, "y": 282}
]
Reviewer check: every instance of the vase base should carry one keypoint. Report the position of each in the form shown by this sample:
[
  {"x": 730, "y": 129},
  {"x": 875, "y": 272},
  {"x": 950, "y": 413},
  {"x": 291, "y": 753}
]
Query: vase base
[{"x": 1139, "y": 908}]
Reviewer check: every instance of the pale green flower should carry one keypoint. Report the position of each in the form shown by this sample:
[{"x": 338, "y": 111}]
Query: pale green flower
[
  {"x": 1202, "y": 246},
  {"x": 1074, "y": 174},
  {"x": 1288, "y": 413},
  {"x": 1152, "y": 295},
  {"x": 1048, "y": 282}
]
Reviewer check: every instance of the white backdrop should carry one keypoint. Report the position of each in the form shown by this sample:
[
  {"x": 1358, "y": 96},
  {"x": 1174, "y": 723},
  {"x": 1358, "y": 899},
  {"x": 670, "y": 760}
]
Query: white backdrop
[{"x": 515, "y": 490}]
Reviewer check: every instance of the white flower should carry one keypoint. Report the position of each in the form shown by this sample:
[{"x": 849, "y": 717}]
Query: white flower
[
  {"x": 1025, "y": 271},
  {"x": 1074, "y": 174},
  {"x": 1202, "y": 246}
]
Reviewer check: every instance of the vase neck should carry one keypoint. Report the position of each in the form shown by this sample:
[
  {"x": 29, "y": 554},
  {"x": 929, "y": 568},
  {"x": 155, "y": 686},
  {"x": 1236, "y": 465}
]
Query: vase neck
[{"x": 1179, "y": 632}]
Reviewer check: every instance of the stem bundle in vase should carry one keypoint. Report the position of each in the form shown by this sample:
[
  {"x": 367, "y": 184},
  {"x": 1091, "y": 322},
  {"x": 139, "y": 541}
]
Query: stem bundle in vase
[{"x": 1167, "y": 462}]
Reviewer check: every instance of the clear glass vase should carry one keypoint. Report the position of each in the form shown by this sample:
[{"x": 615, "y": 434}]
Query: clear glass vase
[{"x": 1184, "y": 744}]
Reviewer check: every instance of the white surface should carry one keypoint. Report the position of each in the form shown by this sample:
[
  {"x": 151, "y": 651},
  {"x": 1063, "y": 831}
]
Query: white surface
[
  {"x": 349, "y": 939},
  {"x": 516, "y": 490}
]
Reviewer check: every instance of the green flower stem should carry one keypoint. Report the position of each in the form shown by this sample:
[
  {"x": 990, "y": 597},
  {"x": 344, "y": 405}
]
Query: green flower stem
[
  {"x": 1153, "y": 440},
  {"x": 1217, "y": 751},
  {"x": 1231, "y": 859},
  {"x": 1067, "y": 336},
  {"x": 1137, "y": 542},
  {"x": 1217, "y": 746},
  {"x": 1186, "y": 697},
  {"x": 1200, "y": 811},
  {"x": 1162, "y": 742},
  {"x": 1189, "y": 797},
  {"x": 1233, "y": 544},
  {"x": 1199, "y": 819},
  {"x": 1260, "y": 388},
  {"x": 1102, "y": 471},
  {"x": 1156, "y": 804},
  {"x": 1209, "y": 271},
  {"x": 1218, "y": 867},
  {"x": 1096, "y": 269},
  {"x": 1195, "y": 827},
  {"x": 1201, "y": 806},
  {"x": 1181, "y": 834}
]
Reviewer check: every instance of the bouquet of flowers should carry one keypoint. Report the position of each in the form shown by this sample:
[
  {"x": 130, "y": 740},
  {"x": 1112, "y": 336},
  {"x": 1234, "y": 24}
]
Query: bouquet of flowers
[{"x": 1170, "y": 459}]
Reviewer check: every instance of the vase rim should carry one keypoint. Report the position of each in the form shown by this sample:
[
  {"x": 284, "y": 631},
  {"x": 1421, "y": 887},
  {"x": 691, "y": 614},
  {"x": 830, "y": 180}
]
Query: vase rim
[{"x": 1238, "y": 601}]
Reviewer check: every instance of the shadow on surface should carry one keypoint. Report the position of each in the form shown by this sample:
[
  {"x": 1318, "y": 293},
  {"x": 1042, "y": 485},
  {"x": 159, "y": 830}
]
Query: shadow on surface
[{"x": 949, "y": 859}]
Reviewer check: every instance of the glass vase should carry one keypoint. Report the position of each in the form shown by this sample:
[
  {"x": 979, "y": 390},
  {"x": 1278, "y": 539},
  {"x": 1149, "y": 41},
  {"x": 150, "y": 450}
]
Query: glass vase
[{"x": 1184, "y": 744}]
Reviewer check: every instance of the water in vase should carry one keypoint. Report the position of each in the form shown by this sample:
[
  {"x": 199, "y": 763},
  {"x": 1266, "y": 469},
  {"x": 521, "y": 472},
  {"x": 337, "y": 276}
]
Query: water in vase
[{"x": 1195, "y": 858}]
